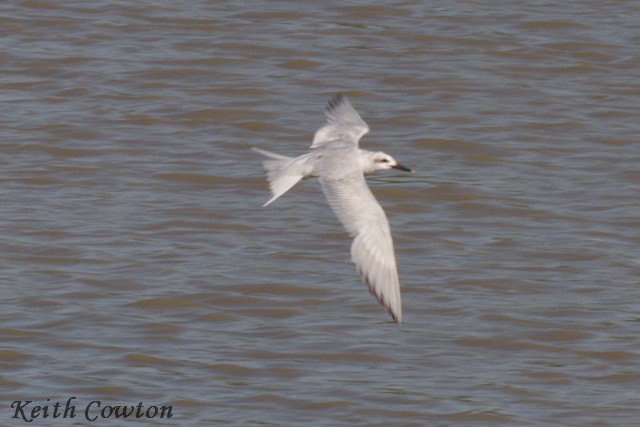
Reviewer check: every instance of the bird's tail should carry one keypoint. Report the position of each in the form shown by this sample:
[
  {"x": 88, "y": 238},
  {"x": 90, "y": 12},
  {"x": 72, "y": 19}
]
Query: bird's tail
[{"x": 282, "y": 172}]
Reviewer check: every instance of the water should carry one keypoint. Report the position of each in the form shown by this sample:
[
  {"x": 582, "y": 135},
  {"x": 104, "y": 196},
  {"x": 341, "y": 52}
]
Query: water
[{"x": 138, "y": 266}]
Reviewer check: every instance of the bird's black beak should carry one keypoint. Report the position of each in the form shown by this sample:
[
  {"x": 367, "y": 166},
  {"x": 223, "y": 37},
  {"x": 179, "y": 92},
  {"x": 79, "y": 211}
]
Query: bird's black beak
[{"x": 402, "y": 168}]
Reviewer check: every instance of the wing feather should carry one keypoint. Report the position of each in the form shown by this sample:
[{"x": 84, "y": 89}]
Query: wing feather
[
  {"x": 372, "y": 248},
  {"x": 343, "y": 123}
]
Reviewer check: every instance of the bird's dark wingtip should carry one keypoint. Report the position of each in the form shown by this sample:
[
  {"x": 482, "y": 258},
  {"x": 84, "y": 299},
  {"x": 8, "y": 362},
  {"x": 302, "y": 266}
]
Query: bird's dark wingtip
[
  {"x": 337, "y": 99},
  {"x": 365, "y": 278}
]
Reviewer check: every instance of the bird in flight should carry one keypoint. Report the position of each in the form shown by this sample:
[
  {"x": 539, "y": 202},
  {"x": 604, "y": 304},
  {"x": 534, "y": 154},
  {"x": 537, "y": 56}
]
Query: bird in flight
[{"x": 340, "y": 166}]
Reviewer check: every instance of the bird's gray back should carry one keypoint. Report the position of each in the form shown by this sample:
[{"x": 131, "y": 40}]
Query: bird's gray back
[{"x": 335, "y": 160}]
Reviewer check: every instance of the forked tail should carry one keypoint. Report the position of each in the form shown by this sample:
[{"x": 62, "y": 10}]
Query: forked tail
[{"x": 282, "y": 172}]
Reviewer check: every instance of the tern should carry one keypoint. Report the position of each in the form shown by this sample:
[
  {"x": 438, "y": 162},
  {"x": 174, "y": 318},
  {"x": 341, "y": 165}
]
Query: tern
[{"x": 340, "y": 166}]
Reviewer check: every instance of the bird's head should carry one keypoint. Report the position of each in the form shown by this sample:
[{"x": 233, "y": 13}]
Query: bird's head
[{"x": 382, "y": 161}]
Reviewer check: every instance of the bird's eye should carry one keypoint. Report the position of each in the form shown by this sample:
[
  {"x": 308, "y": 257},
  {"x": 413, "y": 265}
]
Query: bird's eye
[{"x": 384, "y": 160}]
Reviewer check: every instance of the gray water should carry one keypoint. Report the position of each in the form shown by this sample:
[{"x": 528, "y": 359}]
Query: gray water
[{"x": 137, "y": 265}]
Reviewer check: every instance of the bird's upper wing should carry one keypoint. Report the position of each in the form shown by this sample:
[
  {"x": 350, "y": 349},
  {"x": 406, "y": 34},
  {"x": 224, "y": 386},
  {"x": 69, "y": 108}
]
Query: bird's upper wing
[
  {"x": 343, "y": 123},
  {"x": 372, "y": 248}
]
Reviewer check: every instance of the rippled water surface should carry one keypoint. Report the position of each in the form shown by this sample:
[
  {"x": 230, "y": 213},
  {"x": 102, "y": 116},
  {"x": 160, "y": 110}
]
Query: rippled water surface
[{"x": 137, "y": 264}]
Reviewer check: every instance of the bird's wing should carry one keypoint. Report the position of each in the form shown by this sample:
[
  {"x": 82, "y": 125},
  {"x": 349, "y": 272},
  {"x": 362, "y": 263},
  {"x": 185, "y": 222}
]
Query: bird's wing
[
  {"x": 372, "y": 248},
  {"x": 343, "y": 123}
]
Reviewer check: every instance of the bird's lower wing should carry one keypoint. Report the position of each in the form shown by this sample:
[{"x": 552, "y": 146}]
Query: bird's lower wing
[{"x": 372, "y": 248}]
